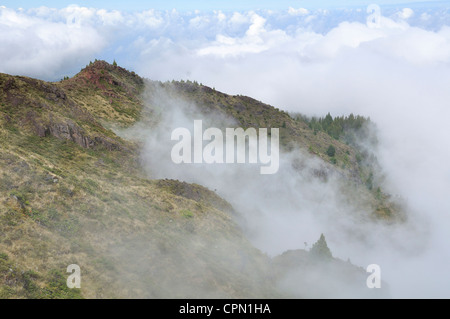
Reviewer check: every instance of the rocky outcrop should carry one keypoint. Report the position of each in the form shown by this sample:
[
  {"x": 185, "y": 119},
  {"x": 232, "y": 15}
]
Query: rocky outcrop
[{"x": 70, "y": 131}]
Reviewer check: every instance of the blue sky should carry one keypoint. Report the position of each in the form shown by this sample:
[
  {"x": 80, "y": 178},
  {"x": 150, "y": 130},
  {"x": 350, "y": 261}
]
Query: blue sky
[{"x": 181, "y": 5}]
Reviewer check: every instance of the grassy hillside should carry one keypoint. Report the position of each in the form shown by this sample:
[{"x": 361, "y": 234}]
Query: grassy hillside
[{"x": 73, "y": 192}]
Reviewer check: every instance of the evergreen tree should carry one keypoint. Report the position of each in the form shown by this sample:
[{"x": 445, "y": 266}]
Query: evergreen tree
[
  {"x": 320, "y": 249},
  {"x": 327, "y": 121},
  {"x": 331, "y": 151}
]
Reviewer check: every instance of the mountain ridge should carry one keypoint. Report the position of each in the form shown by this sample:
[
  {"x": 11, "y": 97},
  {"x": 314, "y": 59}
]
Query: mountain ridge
[{"x": 73, "y": 191}]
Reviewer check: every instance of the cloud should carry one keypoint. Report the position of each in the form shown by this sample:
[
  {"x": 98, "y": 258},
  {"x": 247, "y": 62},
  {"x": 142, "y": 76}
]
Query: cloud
[
  {"x": 110, "y": 17},
  {"x": 425, "y": 16},
  {"x": 37, "y": 47},
  {"x": 298, "y": 12},
  {"x": 220, "y": 16},
  {"x": 199, "y": 22},
  {"x": 255, "y": 40},
  {"x": 238, "y": 19},
  {"x": 149, "y": 18},
  {"x": 406, "y": 13},
  {"x": 99, "y": 33}
]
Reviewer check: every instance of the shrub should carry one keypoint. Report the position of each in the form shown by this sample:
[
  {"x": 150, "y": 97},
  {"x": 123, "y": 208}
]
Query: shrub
[
  {"x": 187, "y": 213},
  {"x": 331, "y": 151}
]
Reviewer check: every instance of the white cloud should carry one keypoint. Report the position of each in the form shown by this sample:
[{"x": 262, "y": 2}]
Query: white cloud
[
  {"x": 78, "y": 15},
  {"x": 36, "y": 47},
  {"x": 221, "y": 17},
  {"x": 198, "y": 22},
  {"x": 425, "y": 16},
  {"x": 255, "y": 40},
  {"x": 417, "y": 46},
  {"x": 298, "y": 12},
  {"x": 406, "y": 13},
  {"x": 346, "y": 35},
  {"x": 150, "y": 18},
  {"x": 110, "y": 17},
  {"x": 238, "y": 19}
]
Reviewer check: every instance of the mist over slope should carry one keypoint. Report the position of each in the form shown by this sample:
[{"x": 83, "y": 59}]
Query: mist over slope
[
  {"x": 308, "y": 195},
  {"x": 87, "y": 179},
  {"x": 397, "y": 73},
  {"x": 308, "y": 189}
]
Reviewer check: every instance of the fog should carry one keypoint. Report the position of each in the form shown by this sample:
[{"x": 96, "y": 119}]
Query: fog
[
  {"x": 283, "y": 211},
  {"x": 399, "y": 76}
]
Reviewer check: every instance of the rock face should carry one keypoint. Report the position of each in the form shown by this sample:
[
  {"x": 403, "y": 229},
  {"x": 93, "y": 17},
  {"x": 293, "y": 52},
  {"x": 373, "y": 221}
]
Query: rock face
[{"x": 70, "y": 131}]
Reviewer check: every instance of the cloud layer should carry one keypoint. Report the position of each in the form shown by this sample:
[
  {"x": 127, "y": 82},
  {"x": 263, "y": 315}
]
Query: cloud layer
[{"x": 49, "y": 43}]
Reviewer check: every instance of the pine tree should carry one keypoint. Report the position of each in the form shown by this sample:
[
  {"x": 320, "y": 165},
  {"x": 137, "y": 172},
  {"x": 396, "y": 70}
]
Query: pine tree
[
  {"x": 331, "y": 151},
  {"x": 320, "y": 249}
]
